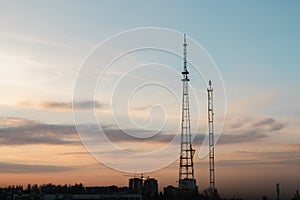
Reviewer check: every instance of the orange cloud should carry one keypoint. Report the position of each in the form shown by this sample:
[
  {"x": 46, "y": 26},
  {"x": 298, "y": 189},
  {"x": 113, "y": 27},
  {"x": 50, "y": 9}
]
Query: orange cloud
[{"x": 61, "y": 105}]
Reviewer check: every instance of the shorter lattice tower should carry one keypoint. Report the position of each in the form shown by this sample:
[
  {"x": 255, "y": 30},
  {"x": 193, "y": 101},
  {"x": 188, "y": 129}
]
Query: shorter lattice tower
[{"x": 211, "y": 139}]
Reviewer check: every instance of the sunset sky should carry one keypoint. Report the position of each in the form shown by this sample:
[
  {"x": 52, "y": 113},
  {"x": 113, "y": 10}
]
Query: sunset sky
[{"x": 254, "y": 44}]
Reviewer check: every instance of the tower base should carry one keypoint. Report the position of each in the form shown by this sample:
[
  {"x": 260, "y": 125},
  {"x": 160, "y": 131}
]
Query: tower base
[{"x": 187, "y": 186}]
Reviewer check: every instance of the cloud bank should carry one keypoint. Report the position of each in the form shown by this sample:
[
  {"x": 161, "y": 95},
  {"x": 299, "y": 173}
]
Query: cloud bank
[{"x": 19, "y": 131}]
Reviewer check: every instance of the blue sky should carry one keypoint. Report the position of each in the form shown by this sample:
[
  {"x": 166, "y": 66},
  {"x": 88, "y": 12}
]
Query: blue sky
[{"x": 255, "y": 45}]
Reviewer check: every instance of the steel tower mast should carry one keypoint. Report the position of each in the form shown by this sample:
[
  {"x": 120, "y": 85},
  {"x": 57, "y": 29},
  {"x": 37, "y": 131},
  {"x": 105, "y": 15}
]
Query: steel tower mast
[
  {"x": 211, "y": 139},
  {"x": 186, "y": 168}
]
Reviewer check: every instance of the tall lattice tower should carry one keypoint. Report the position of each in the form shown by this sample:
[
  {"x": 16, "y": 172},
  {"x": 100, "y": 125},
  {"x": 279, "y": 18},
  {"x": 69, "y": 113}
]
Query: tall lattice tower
[
  {"x": 211, "y": 139},
  {"x": 186, "y": 181}
]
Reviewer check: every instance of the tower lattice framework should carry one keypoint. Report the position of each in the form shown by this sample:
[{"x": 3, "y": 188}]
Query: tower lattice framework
[
  {"x": 211, "y": 138},
  {"x": 186, "y": 168}
]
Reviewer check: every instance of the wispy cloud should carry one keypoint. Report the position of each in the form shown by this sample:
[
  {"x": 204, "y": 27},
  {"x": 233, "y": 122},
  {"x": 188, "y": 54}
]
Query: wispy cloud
[
  {"x": 266, "y": 124},
  {"x": 118, "y": 135},
  {"x": 141, "y": 108},
  {"x": 248, "y": 130},
  {"x": 243, "y": 137},
  {"x": 249, "y": 162},
  {"x": 271, "y": 123},
  {"x": 16, "y": 168},
  {"x": 17, "y": 131},
  {"x": 56, "y": 105},
  {"x": 263, "y": 158},
  {"x": 89, "y": 105},
  {"x": 238, "y": 123},
  {"x": 6, "y": 122},
  {"x": 33, "y": 40},
  {"x": 61, "y": 105}
]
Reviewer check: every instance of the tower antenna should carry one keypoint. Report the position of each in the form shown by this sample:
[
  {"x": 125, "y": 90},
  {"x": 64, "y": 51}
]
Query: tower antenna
[
  {"x": 187, "y": 182},
  {"x": 211, "y": 139}
]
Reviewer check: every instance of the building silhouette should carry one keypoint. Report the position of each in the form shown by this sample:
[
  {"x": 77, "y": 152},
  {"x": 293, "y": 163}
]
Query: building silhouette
[
  {"x": 150, "y": 190},
  {"x": 136, "y": 185}
]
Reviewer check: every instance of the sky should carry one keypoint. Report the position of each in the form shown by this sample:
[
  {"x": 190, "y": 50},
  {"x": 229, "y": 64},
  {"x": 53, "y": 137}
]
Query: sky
[{"x": 46, "y": 45}]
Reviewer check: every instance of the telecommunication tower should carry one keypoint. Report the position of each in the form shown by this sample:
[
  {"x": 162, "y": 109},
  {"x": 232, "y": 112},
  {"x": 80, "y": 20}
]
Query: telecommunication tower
[
  {"x": 186, "y": 181},
  {"x": 211, "y": 139}
]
